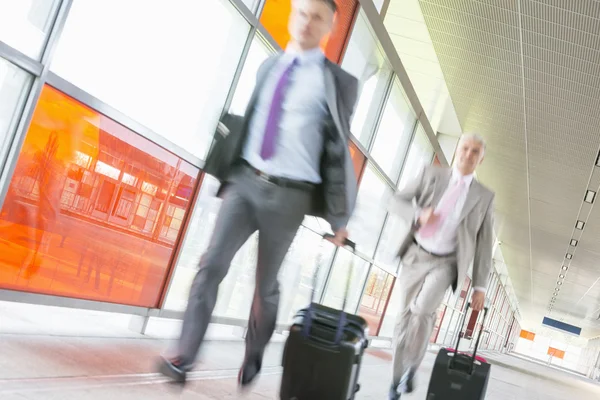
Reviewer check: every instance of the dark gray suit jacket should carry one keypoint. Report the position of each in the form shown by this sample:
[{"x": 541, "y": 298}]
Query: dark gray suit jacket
[{"x": 335, "y": 198}]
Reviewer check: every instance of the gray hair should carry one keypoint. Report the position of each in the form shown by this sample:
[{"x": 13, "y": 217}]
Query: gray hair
[{"x": 473, "y": 136}]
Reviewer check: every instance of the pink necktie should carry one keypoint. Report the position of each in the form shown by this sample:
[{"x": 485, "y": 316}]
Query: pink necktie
[{"x": 444, "y": 208}]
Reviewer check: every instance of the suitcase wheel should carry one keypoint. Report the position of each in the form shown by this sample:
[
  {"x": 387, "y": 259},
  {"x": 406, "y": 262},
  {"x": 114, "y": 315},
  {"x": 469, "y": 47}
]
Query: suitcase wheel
[{"x": 357, "y": 388}]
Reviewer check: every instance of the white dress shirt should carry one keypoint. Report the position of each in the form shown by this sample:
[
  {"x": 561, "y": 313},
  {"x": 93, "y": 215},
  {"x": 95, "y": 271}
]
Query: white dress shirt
[
  {"x": 445, "y": 239},
  {"x": 299, "y": 143}
]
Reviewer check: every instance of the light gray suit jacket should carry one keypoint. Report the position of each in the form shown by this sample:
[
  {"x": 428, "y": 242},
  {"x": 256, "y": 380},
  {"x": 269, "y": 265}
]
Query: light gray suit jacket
[{"x": 476, "y": 228}]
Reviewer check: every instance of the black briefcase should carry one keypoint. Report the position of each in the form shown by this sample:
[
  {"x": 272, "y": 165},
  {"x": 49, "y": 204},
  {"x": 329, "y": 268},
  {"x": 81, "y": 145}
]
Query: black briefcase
[
  {"x": 323, "y": 352},
  {"x": 459, "y": 376},
  {"x": 225, "y": 148}
]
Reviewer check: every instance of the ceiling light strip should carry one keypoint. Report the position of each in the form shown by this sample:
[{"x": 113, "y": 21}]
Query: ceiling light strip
[{"x": 526, "y": 153}]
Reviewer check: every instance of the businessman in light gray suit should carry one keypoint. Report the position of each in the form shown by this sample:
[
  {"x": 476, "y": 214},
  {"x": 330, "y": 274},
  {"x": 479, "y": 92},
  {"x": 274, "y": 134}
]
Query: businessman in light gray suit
[
  {"x": 450, "y": 225},
  {"x": 290, "y": 159}
]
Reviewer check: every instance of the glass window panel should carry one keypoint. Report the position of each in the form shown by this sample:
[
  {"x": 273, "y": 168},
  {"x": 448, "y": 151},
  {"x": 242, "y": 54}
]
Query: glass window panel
[
  {"x": 197, "y": 236},
  {"x": 369, "y": 214},
  {"x": 298, "y": 271},
  {"x": 257, "y": 54},
  {"x": 420, "y": 155},
  {"x": 237, "y": 289},
  {"x": 276, "y": 15},
  {"x": 438, "y": 322},
  {"x": 14, "y": 86},
  {"x": 391, "y": 313},
  {"x": 387, "y": 248},
  {"x": 172, "y": 73},
  {"x": 444, "y": 337},
  {"x": 25, "y": 24},
  {"x": 365, "y": 60},
  {"x": 69, "y": 230},
  {"x": 336, "y": 285},
  {"x": 375, "y": 297},
  {"x": 394, "y": 133}
]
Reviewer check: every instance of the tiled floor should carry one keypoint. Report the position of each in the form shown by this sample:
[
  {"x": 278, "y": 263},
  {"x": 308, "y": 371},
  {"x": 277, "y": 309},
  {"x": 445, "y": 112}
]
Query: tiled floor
[{"x": 70, "y": 368}]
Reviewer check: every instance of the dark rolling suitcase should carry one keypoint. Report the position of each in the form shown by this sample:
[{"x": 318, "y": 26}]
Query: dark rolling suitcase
[
  {"x": 459, "y": 376},
  {"x": 323, "y": 352}
]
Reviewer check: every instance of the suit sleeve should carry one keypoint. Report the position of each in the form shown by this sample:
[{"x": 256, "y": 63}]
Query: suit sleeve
[
  {"x": 352, "y": 98},
  {"x": 482, "y": 263},
  {"x": 404, "y": 201},
  {"x": 350, "y": 187}
]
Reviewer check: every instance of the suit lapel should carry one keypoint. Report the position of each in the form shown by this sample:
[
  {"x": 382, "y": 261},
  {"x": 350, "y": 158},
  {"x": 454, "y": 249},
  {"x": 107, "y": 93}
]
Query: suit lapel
[
  {"x": 440, "y": 186},
  {"x": 473, "y": 197},
  {"x": 331, "y": 97}
]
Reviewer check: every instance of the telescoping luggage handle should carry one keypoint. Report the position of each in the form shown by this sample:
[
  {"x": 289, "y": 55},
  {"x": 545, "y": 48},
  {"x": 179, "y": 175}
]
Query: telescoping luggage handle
[
  {"x": 485, "y": 311},
  {"x": 342, "y": 322}
]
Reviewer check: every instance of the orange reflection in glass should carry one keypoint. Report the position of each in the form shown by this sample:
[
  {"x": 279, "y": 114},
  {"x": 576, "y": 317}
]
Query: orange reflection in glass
[
  {"x": 93, "y": 210},
  {"x": 358, "y": 159},
  {"x": 276, "y": 14},
  {"x": 375, "y": 298}
]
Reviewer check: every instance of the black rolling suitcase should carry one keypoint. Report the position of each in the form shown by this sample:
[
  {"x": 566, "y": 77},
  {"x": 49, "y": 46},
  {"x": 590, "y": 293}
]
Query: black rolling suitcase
[
  {"x": 323, "y": 352},
  {"x": 459, "y": 376}
]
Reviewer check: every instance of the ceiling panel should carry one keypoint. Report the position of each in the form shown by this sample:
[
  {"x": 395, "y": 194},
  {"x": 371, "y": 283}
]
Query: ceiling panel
[{"x": 526, "y": 75}]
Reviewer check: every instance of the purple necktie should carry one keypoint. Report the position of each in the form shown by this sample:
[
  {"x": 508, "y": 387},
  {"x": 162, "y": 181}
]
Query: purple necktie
[{"x": 272, "y": 129}]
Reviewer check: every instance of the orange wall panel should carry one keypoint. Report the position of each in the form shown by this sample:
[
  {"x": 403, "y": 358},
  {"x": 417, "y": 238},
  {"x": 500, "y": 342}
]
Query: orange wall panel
[
  {"x": 275, "y": 18},
  {"x": 93, "y": 210},
  {"x": 527, "y": 335},
  {"x": 556, "y": 353}
]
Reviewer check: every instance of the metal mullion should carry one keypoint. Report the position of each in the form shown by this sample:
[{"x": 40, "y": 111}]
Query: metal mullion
[
  {"x": 380, "y": 110},
  {"x": 328, "y": 275},
  {"x": 180, "y": 242},
  {"x": 19, "y": 59},
  {"x": 243, "y": 9},
  {"x": 15, "y": 145},
  {"x": 390, "y": 51},
  {"x": 269, "y": 38},
  {"x": 364, "y": 285}
]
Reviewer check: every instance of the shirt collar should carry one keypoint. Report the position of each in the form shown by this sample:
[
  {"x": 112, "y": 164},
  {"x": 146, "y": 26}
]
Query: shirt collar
[
  {"x": 466, "y": 178},
  {"x": 304, "y": 57}
]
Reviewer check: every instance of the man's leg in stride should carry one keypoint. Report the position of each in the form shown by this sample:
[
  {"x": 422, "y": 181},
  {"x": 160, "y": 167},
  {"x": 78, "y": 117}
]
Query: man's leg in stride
[
  {"x": 235, "y": 223},
  {"x": 425, "y": 280},
  {"x": 280, "y": 213}
]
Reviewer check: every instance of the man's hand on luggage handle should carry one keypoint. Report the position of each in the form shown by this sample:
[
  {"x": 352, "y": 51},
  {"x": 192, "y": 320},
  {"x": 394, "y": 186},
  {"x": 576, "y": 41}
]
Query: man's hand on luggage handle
[
  {"x": 340, "y": 236},
  {"x": 477, "y": 300}
]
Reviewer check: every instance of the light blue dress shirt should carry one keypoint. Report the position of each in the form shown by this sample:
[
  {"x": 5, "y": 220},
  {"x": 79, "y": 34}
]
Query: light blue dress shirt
[{"x": 300, "y": 140}]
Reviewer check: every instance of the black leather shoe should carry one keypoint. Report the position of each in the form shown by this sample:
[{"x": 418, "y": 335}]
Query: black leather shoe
[
  {"x": 248, "y": 373},
  {"x": 168, "y": 369},
  {"x": 393, "y": 395},
  {"x": 407, "y": 382}
]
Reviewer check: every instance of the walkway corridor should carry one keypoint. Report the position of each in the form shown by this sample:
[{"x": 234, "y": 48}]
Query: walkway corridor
[{"x": 75, "y": 368}]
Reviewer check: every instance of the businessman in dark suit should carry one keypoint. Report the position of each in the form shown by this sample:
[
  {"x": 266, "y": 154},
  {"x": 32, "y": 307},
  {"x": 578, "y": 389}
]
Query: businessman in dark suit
[{"x": 290, "y": 159}]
